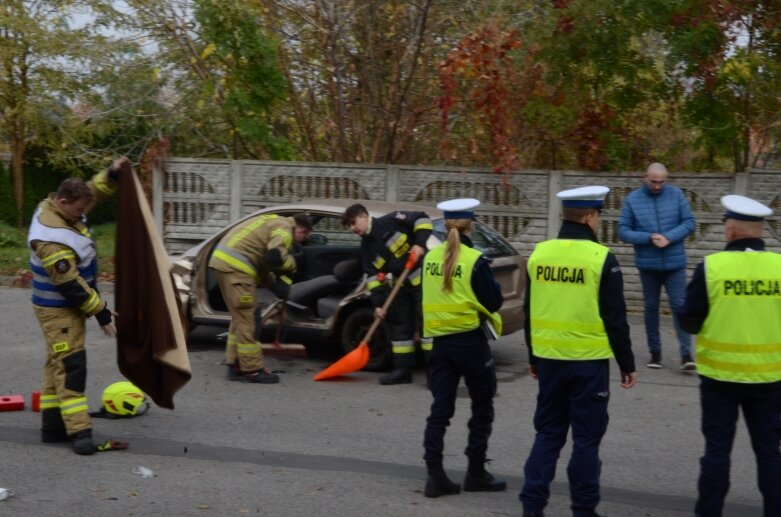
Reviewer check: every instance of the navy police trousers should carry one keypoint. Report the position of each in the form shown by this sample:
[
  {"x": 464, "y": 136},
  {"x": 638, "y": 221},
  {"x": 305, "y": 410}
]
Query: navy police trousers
[
  {"x": 572, "y": 394},
  {"x": 466, "y": 354}
]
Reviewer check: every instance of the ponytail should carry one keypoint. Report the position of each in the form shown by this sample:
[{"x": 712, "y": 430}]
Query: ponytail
[{"x": 455, "y": 227}]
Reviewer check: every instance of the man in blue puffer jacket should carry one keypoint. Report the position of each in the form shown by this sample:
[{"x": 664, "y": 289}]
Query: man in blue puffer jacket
[{"x": 657, "y": 218}]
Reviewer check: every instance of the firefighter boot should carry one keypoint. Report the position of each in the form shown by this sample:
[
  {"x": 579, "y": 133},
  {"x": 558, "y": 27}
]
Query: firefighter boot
[
  {"x": 262, "y": 376},
  {"x": 401, "y": 376},
  {"x": 52, "y": 426},
  {"x": 480, "y": 480},
  {"x": 234, "y": 372},
  {"x": 402, "y": 370},
  {"x": 438, "y": 483},
  {"x": 81, "y": 443}
]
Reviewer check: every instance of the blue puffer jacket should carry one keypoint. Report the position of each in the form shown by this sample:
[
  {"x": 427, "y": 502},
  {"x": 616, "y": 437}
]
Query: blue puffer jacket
[{"x": 667, "y": 213}]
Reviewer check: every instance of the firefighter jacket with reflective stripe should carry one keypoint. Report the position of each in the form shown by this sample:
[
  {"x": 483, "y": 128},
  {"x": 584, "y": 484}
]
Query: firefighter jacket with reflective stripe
[
  {"x": 64, "y": 255},
  {"x": 458, "y": 310},
  {"x": 564, "y": 305},
  {"x": 245, "y": 247},
  {"x": 385, "y": 246},
  {"x": 740, "y": 340}
]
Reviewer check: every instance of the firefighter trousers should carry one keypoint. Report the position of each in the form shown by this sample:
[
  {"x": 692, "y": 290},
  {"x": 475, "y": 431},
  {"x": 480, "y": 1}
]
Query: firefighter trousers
[
  {"x": 405, "y": 320},
  {"x": 64, "y": 406},
  {"x": 239, "y": 292}
]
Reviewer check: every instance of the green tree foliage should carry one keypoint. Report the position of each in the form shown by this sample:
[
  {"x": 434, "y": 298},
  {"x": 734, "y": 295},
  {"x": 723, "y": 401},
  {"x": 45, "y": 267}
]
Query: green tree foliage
[
  {"x": 42, "y": 61},
  {"x": 596, "y": 84},
  {"x": 245, "y": 73},
  {"x": 726, "y": 60},
  {"x": 221, "y": 75}
]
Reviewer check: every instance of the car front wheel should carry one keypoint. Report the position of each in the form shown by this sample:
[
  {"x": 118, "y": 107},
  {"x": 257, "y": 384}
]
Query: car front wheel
[{"x": 354, "y": 330}]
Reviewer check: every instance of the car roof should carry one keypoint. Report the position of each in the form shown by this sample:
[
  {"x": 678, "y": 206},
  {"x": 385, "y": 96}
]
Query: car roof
[{"x": 375, "y": 208}]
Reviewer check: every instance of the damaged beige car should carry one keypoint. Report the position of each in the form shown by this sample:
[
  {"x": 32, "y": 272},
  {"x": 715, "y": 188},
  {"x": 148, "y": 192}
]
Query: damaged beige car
[{"x": 329, "y": 304}]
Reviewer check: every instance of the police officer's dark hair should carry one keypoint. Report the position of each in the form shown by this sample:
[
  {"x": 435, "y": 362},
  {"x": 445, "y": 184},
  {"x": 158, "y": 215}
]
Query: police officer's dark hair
[
  {"x": 576, "y": 214},
  {"x": 352, "y": 213},
  {"x": 302, "y": 220},
  {"x": 74, "y": 189}
]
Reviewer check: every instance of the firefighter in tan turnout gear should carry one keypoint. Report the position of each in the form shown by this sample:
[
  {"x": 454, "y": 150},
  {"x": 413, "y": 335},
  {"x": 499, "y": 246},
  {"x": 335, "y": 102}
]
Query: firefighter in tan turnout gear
[
  {"x": 64, "y": 265},
  {"x": 255, "y": 252}
]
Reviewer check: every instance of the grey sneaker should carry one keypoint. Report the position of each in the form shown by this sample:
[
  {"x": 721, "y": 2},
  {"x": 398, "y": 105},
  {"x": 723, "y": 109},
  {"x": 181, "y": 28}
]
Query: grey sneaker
[
  {"x": 656, "y": 360},
  {"x": 687, "y": 363}
]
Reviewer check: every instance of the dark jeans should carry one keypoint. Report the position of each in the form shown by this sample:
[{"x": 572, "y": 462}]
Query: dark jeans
[
  {"x": 576, "y": 394},
  {"x": 467, "y": 355},
  {"x": 674, "y": 283},
  {"x": 761, "y": 405}
]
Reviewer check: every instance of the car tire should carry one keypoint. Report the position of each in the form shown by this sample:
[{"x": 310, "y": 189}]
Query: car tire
[{"x": 354, "y": 330}]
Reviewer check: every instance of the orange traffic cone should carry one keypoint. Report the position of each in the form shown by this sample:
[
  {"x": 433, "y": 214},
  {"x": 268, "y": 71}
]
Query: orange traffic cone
[
  {"x": 357, "y": 359},
  {"x": 352, "y": 362}
]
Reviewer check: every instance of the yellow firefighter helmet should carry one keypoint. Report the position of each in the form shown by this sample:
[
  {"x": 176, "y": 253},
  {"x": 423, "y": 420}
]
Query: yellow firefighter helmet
[{"x": 124, "y": 399}]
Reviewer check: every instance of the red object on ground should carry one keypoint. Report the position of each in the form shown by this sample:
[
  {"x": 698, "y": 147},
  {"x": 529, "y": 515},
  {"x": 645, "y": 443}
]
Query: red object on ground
[
  {"x": 36, "y": 401},
  {"x": 11, "y": 402}
]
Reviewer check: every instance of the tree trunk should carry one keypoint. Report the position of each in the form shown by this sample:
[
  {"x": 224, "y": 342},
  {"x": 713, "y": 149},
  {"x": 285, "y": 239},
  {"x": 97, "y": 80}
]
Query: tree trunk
[{"x": 17, "y": 165}]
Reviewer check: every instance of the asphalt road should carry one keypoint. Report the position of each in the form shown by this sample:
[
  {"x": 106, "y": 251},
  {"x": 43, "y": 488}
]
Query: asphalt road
[{"x": 348, "y": 447}]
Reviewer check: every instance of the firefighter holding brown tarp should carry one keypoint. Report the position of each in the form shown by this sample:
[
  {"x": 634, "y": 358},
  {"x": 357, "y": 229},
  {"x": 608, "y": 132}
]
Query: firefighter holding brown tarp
[{"x": 65, "y": 266}]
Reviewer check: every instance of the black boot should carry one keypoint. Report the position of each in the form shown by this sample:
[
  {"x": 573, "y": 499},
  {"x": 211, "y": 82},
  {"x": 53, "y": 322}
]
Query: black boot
[
  {"x": 262, "y": 376},
  {"x": 438, "y": 483},
  {"x": 234, "y": 372},
  {"x": 480, "y": 480},
  {"x": 81, "y": 443},
  {"x": 402, "y": 376},
  {"x": 52, "y": 426}
]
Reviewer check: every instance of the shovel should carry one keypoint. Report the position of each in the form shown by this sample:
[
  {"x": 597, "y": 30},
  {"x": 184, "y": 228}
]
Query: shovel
[{"x": 357, "y": 359}]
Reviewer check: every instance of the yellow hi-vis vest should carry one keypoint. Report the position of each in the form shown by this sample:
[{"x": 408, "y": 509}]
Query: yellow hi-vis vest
[
  {"x": 740, "y": 340},
  {"x": 458, "y": 310},
  {"x": 564, "y": 304}
]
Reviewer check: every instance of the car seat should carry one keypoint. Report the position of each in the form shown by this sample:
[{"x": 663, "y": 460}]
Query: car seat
[{"x": 346, "y": 275}]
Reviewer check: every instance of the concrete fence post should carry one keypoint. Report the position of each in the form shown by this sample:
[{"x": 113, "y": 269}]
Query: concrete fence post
[
  {"x": 158, "y": 187},
  {"x": 392, "y": 183},
  {"x": 554, "y": 207},
  {"x": 236, "y": 182}
]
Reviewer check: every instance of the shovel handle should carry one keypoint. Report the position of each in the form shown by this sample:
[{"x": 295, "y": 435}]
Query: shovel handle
[{"x": 411, "y": 261}]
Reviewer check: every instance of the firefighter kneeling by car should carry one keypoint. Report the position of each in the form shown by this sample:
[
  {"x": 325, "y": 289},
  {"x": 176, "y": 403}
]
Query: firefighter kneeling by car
[{"x": 255, "y": 252}]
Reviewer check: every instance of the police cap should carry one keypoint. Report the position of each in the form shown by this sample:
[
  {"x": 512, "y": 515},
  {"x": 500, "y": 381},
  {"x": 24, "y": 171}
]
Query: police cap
[
  {"x": 462, "y": 208},
  {"x": 744, "y": 208},
  {"x": 583, "y": 197}
]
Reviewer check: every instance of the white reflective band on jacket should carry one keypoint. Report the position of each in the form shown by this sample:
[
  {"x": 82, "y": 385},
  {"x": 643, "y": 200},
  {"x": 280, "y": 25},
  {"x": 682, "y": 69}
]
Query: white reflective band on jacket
[{"x": 45, "y": 293}]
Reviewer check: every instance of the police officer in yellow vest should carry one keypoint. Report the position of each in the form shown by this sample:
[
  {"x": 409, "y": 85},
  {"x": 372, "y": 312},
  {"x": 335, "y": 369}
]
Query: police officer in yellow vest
[
  {"x": 460, "y": 300},
  {"x": 733, "y": 303},
  {"x": 255, "y": 252},
  {"x": 64, "y": 264},
  {"x": 575, "y": 322}
]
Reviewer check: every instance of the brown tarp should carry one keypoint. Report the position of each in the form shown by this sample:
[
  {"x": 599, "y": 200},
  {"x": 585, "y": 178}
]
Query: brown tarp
[{"x": 151, "y": 346}]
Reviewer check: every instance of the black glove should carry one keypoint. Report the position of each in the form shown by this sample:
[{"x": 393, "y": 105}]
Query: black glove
[
  {"x": 115, "y": 168},
  {"x": 281, "y": 289},
  {"x": 274, "y": 258},
  {"x": 113, "y": 175},
  {"x": 104, "y": 316}
]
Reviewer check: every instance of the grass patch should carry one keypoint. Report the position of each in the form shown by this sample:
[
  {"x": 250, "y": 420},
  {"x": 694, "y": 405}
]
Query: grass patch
[{"x": 15, "y": 255}]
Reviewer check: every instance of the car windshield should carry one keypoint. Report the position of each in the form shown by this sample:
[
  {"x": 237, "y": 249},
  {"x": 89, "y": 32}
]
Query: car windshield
[{"x": 486, "y": 240}]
